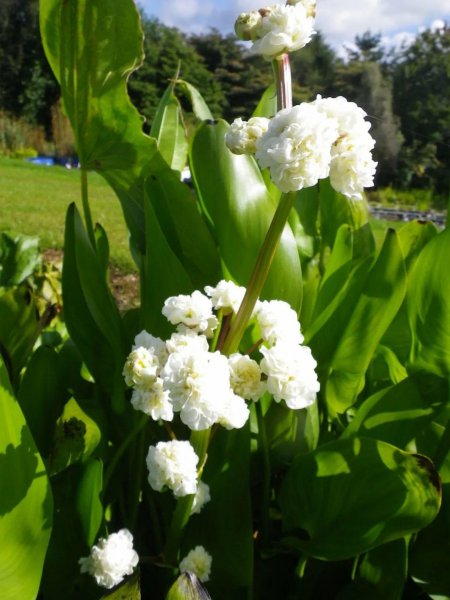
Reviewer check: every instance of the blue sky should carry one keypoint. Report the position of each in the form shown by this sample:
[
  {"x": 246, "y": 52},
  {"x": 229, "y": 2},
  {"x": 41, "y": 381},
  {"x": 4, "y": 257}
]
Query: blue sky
[{"x": 338, "y": 20}]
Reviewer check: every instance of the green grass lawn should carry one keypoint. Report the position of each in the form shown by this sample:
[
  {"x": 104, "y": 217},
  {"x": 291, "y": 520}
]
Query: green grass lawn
[{"x": 34, "y": 200}]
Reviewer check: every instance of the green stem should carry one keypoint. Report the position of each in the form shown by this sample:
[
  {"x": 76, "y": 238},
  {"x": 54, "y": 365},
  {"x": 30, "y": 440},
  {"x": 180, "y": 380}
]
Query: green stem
[
  {"x": 264, "y": 449},
  {"x": 283, "y": 81},
  {"x": 199, "y": 441},
  {"x": 121, "y": 449},
  {"x": 86, "y": 207},
  {"x": 259, "y": 275}
]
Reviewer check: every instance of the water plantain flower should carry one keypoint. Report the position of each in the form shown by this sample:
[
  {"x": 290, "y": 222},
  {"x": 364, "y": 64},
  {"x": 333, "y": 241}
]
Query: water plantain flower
[
  {"x": 197, "y": 561},
  {"x": 173, "y": 465},
  {"x": 111, "y": 559}
]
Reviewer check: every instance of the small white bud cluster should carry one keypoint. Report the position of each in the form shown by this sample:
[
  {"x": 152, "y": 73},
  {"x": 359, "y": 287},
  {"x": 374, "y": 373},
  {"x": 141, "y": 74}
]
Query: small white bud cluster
[
  {"x": 325, "y": 138},
  {"x": 279, "y": 28},
  {"x": 111, "y": 559},
  {"x": 197, "y": 561}
]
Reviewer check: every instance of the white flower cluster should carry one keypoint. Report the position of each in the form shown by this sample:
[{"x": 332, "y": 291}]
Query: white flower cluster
[
  {"x": 278, "y": 29},
  {"x": 111, "y": 559},
  {"x": 197, "y": 561},
  {"x": 242, "y": 135},
  {"x": 311, "y": 141},
  {"x": 183, "y": 376}
]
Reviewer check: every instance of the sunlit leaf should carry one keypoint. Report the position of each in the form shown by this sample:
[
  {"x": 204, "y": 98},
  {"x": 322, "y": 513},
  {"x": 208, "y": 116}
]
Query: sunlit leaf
[
  {"x": 26, "y": 505},
  {"x": 352, "y": 495}
]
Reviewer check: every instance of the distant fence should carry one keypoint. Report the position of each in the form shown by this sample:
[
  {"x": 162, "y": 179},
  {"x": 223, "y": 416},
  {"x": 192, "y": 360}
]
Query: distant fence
[{"x": 397, "y": 214}]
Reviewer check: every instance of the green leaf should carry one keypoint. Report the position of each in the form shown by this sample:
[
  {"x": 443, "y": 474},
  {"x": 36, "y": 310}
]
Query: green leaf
[
  {"x": 19, "y": 258},
  {"x": 428, "y": 301},
  {"x": 240, "y": 209},
  {"x": 336, "y": 210},
  {"x": 267, "y": 106},
  {"x": 168, "y": 129},
  {"x": 26, "y": 505},
  {"x": 76, "y": 437},
  {"x": 91, "y": 315},
  {"x": 162, "y": 274},
  {"x": 187, "y": 587},
  {"x": 290, "y": 432},
  {"x": 379, "y": 302},
  {"x": 199, "y": 106},
  {"x": 185, "y": 230},
  {"x": 352, "y": 495},
  {"x": 88, "y": 503},
  {"x": 42, "y": 395},
  {"x": 224, "y": 526},
  {"x": 397, "y": 414},
  {"x": 19, "y": 326},
  {"x": 93, "y": 46},
  {"x": 381, "y": 574}
]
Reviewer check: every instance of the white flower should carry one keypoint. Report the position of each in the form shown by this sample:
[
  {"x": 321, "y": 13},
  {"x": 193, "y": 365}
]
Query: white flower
[
  {"x": 245, "y": 377},
  {"x": 234, "y": 412},
  {"x": 155, "y": 344},
  {"x": 247, "y": 25},
  {"x": 111, "y": 559},
  {"x": 202, "y": 496},
  {"x": 291, "y": 375},
  {"x": 153, "y": 401},
  {"x": 278, "y": 322},
  {"x": 188, "y": 341},
  {"x": 242, "y": 135},
  {"x": 282, "y": 29},
  {"x": 173, "y": 464},
  {"x": 141, "y": 368},
  {"x": 197, "y": 561},
  {"x": 226, "y": 295},
  {"x": 198, "y": 383},
  {"x": 193, "y": 312},
  {"x": 297, "y": 147},
  {"x": 352, "y": 167}
]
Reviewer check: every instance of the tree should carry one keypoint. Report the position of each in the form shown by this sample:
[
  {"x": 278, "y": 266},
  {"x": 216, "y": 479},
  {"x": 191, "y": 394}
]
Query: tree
[
  {"x": 27, "y": 86},
  {"x": 421, "y": 75},
  {"x": 166, "y": 50}
]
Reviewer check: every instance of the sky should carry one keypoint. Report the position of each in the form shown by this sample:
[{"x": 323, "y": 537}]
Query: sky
[{"x": 338, "y": 20}]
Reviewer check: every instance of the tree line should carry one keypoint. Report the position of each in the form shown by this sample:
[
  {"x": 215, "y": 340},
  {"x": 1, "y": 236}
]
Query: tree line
[{"x": 405, "y": 91}]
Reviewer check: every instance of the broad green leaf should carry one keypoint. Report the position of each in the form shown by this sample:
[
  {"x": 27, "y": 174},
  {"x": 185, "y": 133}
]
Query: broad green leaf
[
  {"x": 168, "y": 130},
  {"x": 290, "y": 432},
  {"x": 224, "y": 526},
  {"x": 91, "y": 315},
  {"x": 199, "y": 106},
  {"x": 412, "y": 237},
  {"x": 26, "y": 505},
  {"x": 102, "y": 249},
  {"x": 267, "y": 106},
  {"x": 352, "y": 495},
  {"x": 341, "y": 253},
  {"x": 89, "y": 505},
  {"x": 379, "y": 302},
  {"x": 337, "y": 210},
  {"x": 42, "y": 395},
  {"x": 176, "y": 209},
  {"x": 397, "y": 371},
  {"x": 67, "y": 546},
  {"x": 429, "y": 307},
  {"x": 397, "y": 414},
  {"x": 187, "y": 587},
  {"x": 19, "y": 258},
  {"x": 93, "y": 46},
  {"x": 240, "y": 209},
  {"x": 76, "y": 437},
  {"x": 381, "y": 573},
  {"x": 163, "y": 275},
  {"x": 19, "y": 326}
]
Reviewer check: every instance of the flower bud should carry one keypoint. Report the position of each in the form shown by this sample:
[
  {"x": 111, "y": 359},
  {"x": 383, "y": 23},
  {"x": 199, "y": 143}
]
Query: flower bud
[
  {"x": 310, "y": 6},
  {"x": 247, "y": 25}
]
